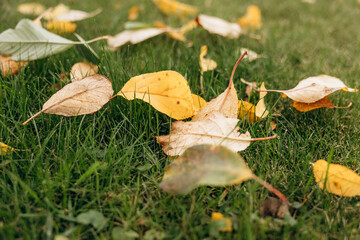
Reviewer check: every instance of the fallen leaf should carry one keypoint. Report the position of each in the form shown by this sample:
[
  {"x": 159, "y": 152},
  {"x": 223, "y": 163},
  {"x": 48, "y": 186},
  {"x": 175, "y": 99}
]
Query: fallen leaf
[
  {"x": 198, "y": 101},
  {"x": 274, "y": 207},
  {"x": 61, "y": 27},
  {"x": 215, "y": 129},
  {"x": 252, "y": 18},
  {"x": 93, "y": 217},
  {"x": 60, "y": 9},
  {"x": 9, "y": 67},
  {"x": 171, "y": 7},
  {"x": 133, "y": 36},
  {"x": 204, "y": 165},
  {"x": 250, "y": 86},
  {"x": 75, "y": 15},
  {"x": 339, "y": 180},
  {"x": 219, "y": 26},
  {"x": 251, "y": 55},
  {"x": 313, "y": 89},
  {"x": 80, "y": 97},
  {"x": 81, "y": 70},
  {"x": 32, "y": 8},
  {"x": 166, "y": 91},
  {"x": 305, "y": 107},
  {"x": 215, "y": 216},
  {"x": 5, "y": 149},
  {"x": 133, "y": 13},
  {"x": 205, "y": 63},
  {"x": 260, "y": 110},
  {"x": 247, "y": 110},
  {"x": 273, "y": 125},
  {"x": 309, "y": 1}
]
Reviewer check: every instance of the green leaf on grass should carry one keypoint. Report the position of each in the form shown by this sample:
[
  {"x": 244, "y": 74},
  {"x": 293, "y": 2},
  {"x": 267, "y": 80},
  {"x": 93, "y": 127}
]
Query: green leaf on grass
[
  {"x": 205, "y": 165},
  {"x": 94, "y": 218}
]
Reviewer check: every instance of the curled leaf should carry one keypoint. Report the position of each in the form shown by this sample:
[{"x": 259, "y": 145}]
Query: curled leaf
[
  {"x": 81, "y": 70},
  {"x": 205, "y": 63},
  {"x": 171, "y": 7},
  {"x": 80, "y": 97},
  {"x": 339, "y": 180},
  {"x": 252, "y": 18},
  {"x": 166, "y": 91},
  {"x": 5, "y": 149},
  {"x": 227, "y": 226},
  {"x": 32, "y": 8},
  {"x": 219, "y": 26},
  {"x": 61, "y": 27},
  {"x": 9, "y": 67}
]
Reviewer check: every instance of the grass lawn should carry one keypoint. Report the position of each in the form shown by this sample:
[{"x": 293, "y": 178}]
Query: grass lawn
[{"x": 110, "y": 162}]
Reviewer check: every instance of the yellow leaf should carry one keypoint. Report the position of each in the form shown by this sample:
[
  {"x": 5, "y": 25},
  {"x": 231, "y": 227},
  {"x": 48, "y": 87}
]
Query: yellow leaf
[
  {"x": 340, "y": 180},
  {"x": 166, "y": 91},
  {"x": 252, "y": 18},
  {"x": 5, "y": 149},
  {"x": 205, "y": 63},
  {"x": 31, "y": 8},
  {"x": 171, "y": 7},
  {"x": 260, "y": 110},
  {"x": 80, "y": 97},
  {"x": 9, "y": 67},
  {"x": 81, "y": 70},
  {"x": 305, "y": 107},
  {"x": 219, "y": 26},
  {"x": 198, "y": 101},
  {"x": 215, "y": 216},
  {"x": 61, "y": 27},
  {"x": 247, "y": 110},
  {"x": 133, "y": 13}
]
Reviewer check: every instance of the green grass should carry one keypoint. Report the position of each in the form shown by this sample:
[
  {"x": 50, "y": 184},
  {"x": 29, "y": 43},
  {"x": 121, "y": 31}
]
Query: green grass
[{"x": 111, "y": 162}]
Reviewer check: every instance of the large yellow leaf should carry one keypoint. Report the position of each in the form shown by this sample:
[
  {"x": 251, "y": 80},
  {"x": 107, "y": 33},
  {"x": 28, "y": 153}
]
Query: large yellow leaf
[
  {"x": 5, "y": 149},
  {"x": 166, "y": 91},
  {"x": 9, "y": 67},
  {"x": 252, "y": 18},
  {"x": 339, "y": 179},
  {"x": 219, "y": 26},
  {"x": 171, "y": 7},
  {"x": 80, "y": 97}
]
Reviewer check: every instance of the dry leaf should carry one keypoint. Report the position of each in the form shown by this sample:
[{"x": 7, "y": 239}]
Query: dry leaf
[
  {"x": 251, "y": 55},
  {"x": 198, "y": 101},
  {"x": 215, "y": 216},
  {"x": 219, "y": 26},
  {"x": 60, "y": 27},
  {"x": 252, "y": 18},
  {"x": 5, "y": 149},
  {"x": 9, "y": 67},
  {"x": 32, "y": 8},
  {"x": 56, "y": 11},
  {"x": 133, "y": 13},
  {"x": 260, "y": 110},
  {"x": 80, "y": 97},
  {"x": 171, "y": 7},
  {"x": 81, "y": 70},
  {"x": 133, "y": 36},
  {"x": 76, "y": 15},
  {"x": 250, "y": 86},
  {"x": 339, "y": 180},
  {"x": 166, "y": 91},
  {"x": 273, "y": 125},
  {"x": 305, "y": 107},
  {"x": 214, "y": 129},
  {"x": 310, "y": 1},
  {"x": 274, "y": 207},
  {"x": 313, "y": 89},
  {"x": 247, "y": 111},
  {"x": 206, "y": 64}
]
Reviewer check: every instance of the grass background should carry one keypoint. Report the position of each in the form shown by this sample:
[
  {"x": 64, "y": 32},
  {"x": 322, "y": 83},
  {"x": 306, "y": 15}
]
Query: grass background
[{"x": 111, "y": 162}]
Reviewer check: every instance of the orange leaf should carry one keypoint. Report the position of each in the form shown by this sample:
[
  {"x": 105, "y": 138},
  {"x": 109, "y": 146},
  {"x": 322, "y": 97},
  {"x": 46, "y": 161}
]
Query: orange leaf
[{"x": 305, "y": 107}]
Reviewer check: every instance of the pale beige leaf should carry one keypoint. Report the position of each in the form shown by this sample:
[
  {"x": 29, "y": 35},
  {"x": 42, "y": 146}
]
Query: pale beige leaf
[
  {"x": 313, "y": 89},
  {"x": 260, "y": 110},
  {"x": 133, "y": 36},
  {"x": 219, "y": 26},
  {"x": 215, "y": 129},
  {"x": 57, "y": 11},
  {"x": 80, "y": 97},
  {"x": 81, "y": 70},
  {"x": 251, "y": 55},
  {"x": 76, "y": 15},
  {"x": 32, "y": 8},
  {"x": 206, "y": 64},
  {"x": 9, "y": 67}
]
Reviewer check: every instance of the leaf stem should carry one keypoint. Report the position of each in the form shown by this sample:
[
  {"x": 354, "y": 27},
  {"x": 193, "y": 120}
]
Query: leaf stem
[
  {"x": 272, "y": 189},
  {"x": 34, "y": 116},
  {"x": 233, "y": 71},
  {"x": 262, "y": 139},
  {"x": 98, "y": 39}
]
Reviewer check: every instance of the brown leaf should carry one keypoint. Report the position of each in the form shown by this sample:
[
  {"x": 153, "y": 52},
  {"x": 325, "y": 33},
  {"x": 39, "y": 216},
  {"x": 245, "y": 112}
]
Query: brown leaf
[
  {"x": 274, "y": 207},
  {"x": 9, "y": 67}
]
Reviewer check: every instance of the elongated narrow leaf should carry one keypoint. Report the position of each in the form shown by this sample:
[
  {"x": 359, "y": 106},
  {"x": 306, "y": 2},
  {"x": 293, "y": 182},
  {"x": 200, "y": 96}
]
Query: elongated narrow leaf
[
  {"x": 204, "y": 165},
  {"x": 80, "y": 97},
  {"x": 28, "y": 42}
]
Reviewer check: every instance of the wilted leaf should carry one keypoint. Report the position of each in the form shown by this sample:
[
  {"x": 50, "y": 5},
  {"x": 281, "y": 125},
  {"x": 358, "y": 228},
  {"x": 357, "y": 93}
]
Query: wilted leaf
[
  {"x": 204, "y": 165},
  {"x": 5, "y": 149},
  {"x": 252, "y": 18},
  {"x": 273, "y": 125},
  {"x": 133, "y": 36},
  {"x": 219, "y": 26},
  {"x": 166, "y": 91},
  {"x": 215, "y": 129},
  {"x": 313, "y": 89},
  {"x": 81, "y": 70},
  {"x": 171, "y": 7},
  {"x": 206, "y": 64},
  {"x": 133, "y": 13},
  {"x": 339, "y": 180},
  {"x": 61, "y": 27},
  {"x": 198, "y": 101},
  {"x": 9, "y": 67},
  {"x": 75, "y": 15},
  {"x": 215, "y": 216},
  {"x": 80, "y": 97},
  {"x": 32, "y": 8},
  {"x": 94, "y": 218}
]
